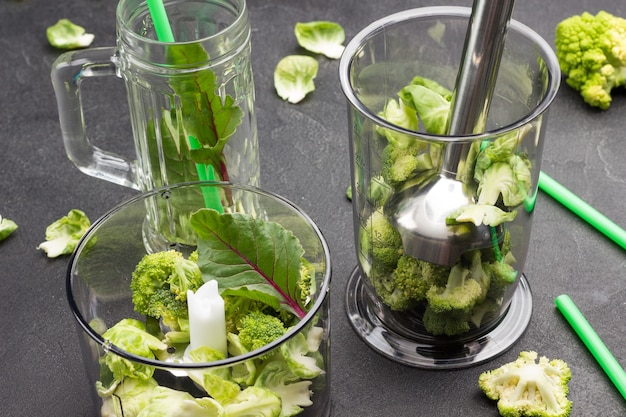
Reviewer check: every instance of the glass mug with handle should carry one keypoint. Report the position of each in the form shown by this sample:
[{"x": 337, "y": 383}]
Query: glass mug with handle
[{"x": 191, "y": 101}]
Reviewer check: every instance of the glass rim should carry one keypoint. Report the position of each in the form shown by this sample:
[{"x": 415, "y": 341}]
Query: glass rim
[
  {"x": 241, "y": 9},
  {"x": 380, "y": 25},
  {"x": 108, "y": 347}
]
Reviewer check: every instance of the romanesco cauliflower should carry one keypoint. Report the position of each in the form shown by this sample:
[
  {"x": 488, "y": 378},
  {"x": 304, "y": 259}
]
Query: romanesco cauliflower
[{"x": 592, "y": 55}]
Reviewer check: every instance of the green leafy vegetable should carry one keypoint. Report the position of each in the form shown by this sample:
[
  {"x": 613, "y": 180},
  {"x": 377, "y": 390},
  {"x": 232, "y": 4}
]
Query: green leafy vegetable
[
  {"x": 295, "y": 351},
  {"x": 293, "y": 77},
  {"x": 321, "y": 37},
  {"x": 133, "y": 393},
  {"x": 293, "y": 392},
  {"x": 250, "y": 258},
  {"x": 431, "y": 107},
  {"x": 167, "y": 402},
  {"x": 131, "y": 336},
  {"x": 254, "y": 401},
  {"x": 63, "y": 235},
  {"x": 6, "y": 227},
  {"x": 216, "y": 382},
  {"x": 66, "y": 35}
]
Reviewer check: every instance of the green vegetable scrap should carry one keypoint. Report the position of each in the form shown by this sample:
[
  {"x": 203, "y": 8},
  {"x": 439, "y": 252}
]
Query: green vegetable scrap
[
  {"x": 321, "y": 37},
  {"x": 6, "y": 227},
  {"x": 216, "y": 382},
  {"x": 63, "y": 235},
  {"x": 254, "y": 401},
  {"x": 468, "y": 294},
  {"x": 145, "y": 398},
  {"x": 293, "y": 392},
  {"x": 267, "y": 286},
  {"x": 592, "y": 55},
  {"x": 131, "y": 336},
  {"x": 293, "y": 77},
  {"x": 66, "y": 35},
  {"x": 527, "y": 388}
]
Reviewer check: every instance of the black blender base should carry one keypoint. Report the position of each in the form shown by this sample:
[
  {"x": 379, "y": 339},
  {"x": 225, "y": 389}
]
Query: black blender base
[{"x": 430, "y": 352}]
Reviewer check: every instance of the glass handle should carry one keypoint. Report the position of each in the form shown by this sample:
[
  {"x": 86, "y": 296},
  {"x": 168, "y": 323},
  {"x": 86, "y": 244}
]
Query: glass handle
[{"x": 68, "y": 71}]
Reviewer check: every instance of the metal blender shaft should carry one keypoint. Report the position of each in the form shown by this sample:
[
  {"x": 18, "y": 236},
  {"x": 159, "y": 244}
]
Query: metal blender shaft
[{"x": 419, "y": 213}]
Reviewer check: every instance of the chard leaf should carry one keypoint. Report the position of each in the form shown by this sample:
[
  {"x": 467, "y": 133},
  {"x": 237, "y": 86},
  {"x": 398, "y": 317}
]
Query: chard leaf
[
  {"x": 174, "y": 150},
  {"x": 249, "y": 257},
  {"x": 197, "y": 111}
]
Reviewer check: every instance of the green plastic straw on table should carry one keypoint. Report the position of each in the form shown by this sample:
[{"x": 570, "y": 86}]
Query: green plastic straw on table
[
  {"x": 582, "y": 209},
  {"x": 591, "y": 339},
  {"x": 161, "y": 23}
]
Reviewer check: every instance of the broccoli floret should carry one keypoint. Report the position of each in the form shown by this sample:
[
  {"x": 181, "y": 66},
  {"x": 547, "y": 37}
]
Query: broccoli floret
[
  {"x": 193, "y": 256},
  {"x": 382, "y": 240},
  {"x": 401, "y": 165},
  {"x": 388, "y": 291},
  {"x": 306, "y": 283},
  {"x": 408, "y": 283},
  {"x": 525, "y": 388},
  {"x": 502, "y": 275},
  {"x": 236, "y": 307},
  {"x": 257, "y": 329},
  {"x": 403, "y": 157},
  {"x": 449, "y": 323},
  {"x": 415, "y": 277},
  {"x": 159, "y": 284},
  {"x": 592, "y": 55},
  {"x": 510, "y": 180},
  {"x": 461, "y": 292},
  {"x": 501, "y": 173}
]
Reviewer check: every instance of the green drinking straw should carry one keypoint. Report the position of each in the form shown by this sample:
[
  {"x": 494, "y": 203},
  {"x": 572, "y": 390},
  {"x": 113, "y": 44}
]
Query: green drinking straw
[
  {"x": 591, "y": 339},
  {"x": 582, "y": 209},
  {"x": 207, "y": 173},
  {"x": 161, "y": 23}
]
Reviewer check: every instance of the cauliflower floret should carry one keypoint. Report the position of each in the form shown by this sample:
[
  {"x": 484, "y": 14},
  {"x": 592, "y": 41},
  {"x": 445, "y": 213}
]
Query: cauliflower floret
[{"x": 526, "y": 388}]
